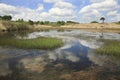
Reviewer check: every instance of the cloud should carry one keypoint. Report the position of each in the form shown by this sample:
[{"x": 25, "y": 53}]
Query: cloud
[
  {"x": 102, "y": 6},
  {"x": 62, "y": 4},
  {"x": 21, "y": 12},
  {"x": 65, "y": 10},
  {"x": 95, "y": 1},
  {"x": 62, "y": 10},
  {"x": 51, "y": 1},
  {"x": 40, "y": 7},
  {"x": 5, "y": 9},
  {"x": 114, "y": 15},
  {"x": 99, "y": 8}
]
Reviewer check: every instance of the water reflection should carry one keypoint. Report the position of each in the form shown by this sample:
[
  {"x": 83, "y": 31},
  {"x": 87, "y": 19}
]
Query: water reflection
[{"x": 76, "y": 57}]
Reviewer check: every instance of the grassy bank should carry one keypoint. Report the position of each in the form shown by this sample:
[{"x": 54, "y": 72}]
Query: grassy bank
[
  {"x": 110, "y": 48},
  {"x": 14, "y": 26},
  {"x": 38, "y": 43}
]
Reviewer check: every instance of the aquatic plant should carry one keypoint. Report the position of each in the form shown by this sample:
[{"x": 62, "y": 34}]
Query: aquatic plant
[
  {"x": 110, "y": 48},
  {"x": 38, "y": 43}
]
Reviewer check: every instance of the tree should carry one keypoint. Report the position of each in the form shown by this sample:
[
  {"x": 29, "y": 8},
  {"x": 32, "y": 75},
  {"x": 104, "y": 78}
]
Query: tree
[
  {"x": 6, "y": 17},
  {"x": 72, "y": 22},
  {"x": 42, "y": 23},
  {"x": 37, "y": 22},
  {"x": 20, "y": 20},
  {"x": 119, "y": 22},
  {"x": 60, "y": 22},
  {"x": 0, "y": 17},
  {"x": 31, "y": 22},
  {"x": 103, "y": 19},
  {"x": 46, "y": 22}
]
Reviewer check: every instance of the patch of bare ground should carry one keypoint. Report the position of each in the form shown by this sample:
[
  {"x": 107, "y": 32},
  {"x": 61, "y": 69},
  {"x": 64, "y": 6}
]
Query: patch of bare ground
[{"x": 106, "y": 27}]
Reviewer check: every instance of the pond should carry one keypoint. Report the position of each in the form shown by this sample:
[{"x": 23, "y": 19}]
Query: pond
[{"x": 75, "y": 60}]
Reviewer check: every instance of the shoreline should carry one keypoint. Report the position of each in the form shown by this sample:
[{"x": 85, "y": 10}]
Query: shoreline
[{"x": 95, "y": 27}]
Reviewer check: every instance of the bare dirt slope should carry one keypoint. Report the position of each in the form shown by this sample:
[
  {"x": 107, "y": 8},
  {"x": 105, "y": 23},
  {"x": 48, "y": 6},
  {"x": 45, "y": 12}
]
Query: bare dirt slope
[{"x": 94, "y": 26}]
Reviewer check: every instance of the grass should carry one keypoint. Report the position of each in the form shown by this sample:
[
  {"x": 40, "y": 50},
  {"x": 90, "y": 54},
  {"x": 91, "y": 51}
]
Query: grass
[
  {"x": 110, "y": 48},
  {"x": 38, "y": 43},
  {"x": 44, "y": 30},
  {"x": 15, "y": 26}
]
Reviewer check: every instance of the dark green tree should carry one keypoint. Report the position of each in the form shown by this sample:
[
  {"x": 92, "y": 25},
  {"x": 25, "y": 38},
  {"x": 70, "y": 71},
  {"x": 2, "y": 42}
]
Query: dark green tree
[
  {"x": 103, "y": 19},
  {"x": 20, "y": 20},
  {"x": 37, "y": 22},
  {"x": 6, "y": 17},
  {"x": 72, "y": 22},
  {"x": 60, "y": 22},
  {"x": 31, "y": 22},
  {"x": 42, "y": 23},
  {"x": 94, "y": 22},
  {"x": 46, "y": 22},
  {"x": 0, "y": 17}
]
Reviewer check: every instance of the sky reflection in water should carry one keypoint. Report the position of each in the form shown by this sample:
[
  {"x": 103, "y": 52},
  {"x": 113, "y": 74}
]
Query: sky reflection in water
[{"x": 76, "y": 54}]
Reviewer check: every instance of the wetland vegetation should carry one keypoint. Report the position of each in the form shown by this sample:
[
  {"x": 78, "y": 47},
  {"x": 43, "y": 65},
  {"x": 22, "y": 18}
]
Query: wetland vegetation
[
  {"x": 70, "y": 56},
  {"x": 62, "y": 54},
  {"x": 110, "y": 47},
  {"x": 38, "y": 43}
]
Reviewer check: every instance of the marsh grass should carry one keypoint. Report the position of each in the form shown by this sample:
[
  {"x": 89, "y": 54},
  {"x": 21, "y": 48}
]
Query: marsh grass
[
  {"x": 44, "y": 30},
  {"x": 110, "y": 47},
  {"x": 60, "y": 30},
  {"x": 38, "y": 43},
  {"x": 15, "y": 26}
]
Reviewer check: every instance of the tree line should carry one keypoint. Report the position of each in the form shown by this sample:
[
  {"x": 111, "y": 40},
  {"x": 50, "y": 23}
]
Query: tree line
[
  {"x": 6, "y": 17},
  {"x": 9, "y": 18}
]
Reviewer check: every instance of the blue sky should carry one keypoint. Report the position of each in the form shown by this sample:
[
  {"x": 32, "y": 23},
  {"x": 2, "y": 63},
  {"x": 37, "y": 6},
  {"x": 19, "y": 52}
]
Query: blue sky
[{"x": 54, "y": 10}]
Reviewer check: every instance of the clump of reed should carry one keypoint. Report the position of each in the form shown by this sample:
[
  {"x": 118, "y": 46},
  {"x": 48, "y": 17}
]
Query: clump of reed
[{"x": 38, "y": 43}]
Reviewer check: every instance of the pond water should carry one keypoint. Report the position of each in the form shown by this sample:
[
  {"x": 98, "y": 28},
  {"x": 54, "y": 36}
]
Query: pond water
[{"x": 75, "y": 60}]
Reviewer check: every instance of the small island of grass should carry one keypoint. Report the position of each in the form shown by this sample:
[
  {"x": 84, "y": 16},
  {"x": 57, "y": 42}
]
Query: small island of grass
[
  {"x": 38, "y": 43},
  {"x": 110, "y": 47}
]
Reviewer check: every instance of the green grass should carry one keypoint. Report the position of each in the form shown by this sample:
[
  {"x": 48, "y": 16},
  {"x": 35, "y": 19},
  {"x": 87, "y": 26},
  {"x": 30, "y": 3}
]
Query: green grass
[
  {"x": 38, "y": 43},
  {"x": 110, "y": 48}
]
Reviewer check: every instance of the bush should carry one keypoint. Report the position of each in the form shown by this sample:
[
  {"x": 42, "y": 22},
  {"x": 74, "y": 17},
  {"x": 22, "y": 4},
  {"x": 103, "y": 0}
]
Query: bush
[
  {"x": 60, "y": 22},
  {"x": 94, "y": 22},
  {"x": 72, "y": 22},
  {"x": 118, "y": 22},
  {"x": 6, "y": 17},
  {"x": 31, "y": 22}
]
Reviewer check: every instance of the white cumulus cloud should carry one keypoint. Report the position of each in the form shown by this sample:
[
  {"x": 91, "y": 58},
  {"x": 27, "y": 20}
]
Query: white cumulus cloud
[
  {"x": 62, "y": 4},
  {"x": 62, "y": 10},
  {"x": 100, "y": 8},
  {"x": 51, "y": 1},
  {"x": 21, "y": 12}
]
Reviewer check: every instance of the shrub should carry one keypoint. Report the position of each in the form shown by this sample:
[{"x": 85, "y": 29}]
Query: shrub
[{"x": 94, "y": 22}]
